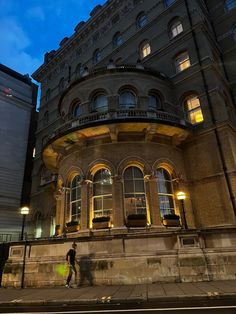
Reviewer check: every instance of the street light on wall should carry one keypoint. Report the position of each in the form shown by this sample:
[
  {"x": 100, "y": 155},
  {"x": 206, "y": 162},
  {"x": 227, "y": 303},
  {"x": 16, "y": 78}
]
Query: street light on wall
[
  {"x": 181, "y": 196},
  {"x": 24, "y": 212}
]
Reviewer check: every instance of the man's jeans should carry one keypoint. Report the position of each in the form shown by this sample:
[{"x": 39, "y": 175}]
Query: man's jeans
[{"x": 72, "y": 270}]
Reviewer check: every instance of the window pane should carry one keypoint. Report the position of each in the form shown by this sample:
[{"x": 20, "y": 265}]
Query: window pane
[
  {"x": 142, "y": 20},
  {"x": 127, "y": 99},
  {"x": 100, "y": 103},
  {"x": 97, "y": 203},
  {"x": 139, "y": 185},
  {"x": 107, "y": 202},
  {"x": 196, "y": 116}
]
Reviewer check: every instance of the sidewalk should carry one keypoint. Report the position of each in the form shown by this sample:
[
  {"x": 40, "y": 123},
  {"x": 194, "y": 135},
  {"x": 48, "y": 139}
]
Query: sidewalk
[{"x": 120, "y": 294}]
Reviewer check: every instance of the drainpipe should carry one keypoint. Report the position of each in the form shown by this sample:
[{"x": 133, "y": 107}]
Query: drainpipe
[{"x": 222, "y": 157}]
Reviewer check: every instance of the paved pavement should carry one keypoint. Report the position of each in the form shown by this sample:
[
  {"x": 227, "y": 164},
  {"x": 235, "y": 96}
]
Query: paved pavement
[{"x": 120, "y": 294}]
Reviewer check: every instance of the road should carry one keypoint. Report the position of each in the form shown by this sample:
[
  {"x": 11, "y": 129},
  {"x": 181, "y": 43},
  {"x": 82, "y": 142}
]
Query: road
[{"x": 120, "y": 309}]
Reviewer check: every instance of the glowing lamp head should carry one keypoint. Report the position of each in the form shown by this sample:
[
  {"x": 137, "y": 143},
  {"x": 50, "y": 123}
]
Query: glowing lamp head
[
  {"x": 181, "y": 195},
  {"x": 24, "y": 210}
]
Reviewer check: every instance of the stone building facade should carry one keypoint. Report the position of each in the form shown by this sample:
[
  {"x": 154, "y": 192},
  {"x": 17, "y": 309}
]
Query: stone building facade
[
  {"x": 137, "y": 106},
  {"x": 17, "y": 119}
]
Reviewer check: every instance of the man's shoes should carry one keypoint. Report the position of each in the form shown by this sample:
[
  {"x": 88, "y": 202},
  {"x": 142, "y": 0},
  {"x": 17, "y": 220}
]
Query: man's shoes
[{"x": 67, "y": 286}]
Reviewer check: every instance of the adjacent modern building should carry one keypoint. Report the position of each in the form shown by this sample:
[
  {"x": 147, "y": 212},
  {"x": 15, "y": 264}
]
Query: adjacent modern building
[
  {"x": 136, "y": 146},
  {"x": 18, "y": 97}
]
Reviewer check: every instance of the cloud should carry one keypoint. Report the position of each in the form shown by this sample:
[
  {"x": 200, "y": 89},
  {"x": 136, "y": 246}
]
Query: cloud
[
  {"x": 14, "y": 42},
  {"x": 36, "y": 13}
]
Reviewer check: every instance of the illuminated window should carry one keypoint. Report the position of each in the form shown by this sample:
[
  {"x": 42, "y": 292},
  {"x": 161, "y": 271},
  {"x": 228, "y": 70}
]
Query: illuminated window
[
  {"x": 141, "y": 20},
  {"x": 154, "y": 102},
  {"x": 100, "y": 103},
  {"x": 97, "y": 56},
  {"x": 102, "y": 193},
  {"x": 34, "y": 152},
  {"x": 182, "y": 62},
  {"x": 176, "y": 28},
  {"x": 193, "y": 108},
  {"x": 75, "y": 199},
  {"x": 117, "y": 40},
  {"x": 127, "y": 99},
  {"x": 169, "y": 2},
  {"x": 38, "y": 225},
  {"x": 145, "y": 50},
  {"x": 165, "y": 192},
  {"x": 134, "y": 191},
  {"x": 230, "y": 4}
]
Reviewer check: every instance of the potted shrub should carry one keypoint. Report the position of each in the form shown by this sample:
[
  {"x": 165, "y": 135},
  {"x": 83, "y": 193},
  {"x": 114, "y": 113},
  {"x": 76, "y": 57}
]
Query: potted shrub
[
  {"x": 136, "y": 220},
  {"x": 72, "y": 226},
  {"x": 171, "y": 220},
  {"x": 101, "y": 222}
]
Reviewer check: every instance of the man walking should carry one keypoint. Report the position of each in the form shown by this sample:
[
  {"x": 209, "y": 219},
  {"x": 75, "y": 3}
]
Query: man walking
[{"x": 70, "y": 257}]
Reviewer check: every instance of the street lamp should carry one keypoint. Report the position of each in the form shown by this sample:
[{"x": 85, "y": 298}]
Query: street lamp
[
  {"x": 181, "y": 196},
  {"x": 24, "y": 212}
]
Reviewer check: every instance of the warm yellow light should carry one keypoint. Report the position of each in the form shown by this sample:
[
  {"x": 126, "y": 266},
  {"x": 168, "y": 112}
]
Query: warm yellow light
[
  {"x": 24, "y": 210},
  {"x": 181, "y": 195}
]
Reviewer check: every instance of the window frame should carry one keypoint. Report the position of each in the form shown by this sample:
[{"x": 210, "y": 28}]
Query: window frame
[
  {"x": 77, "y": 186},
  {"x": 97, "y": 56},
  {"x": 145, "y": 50},
  {"x": 169, "y": 196},
  {"x": 127, "y": 105},
  {"x": 134, "y": 209},
  {"x": 102, "y": 196},
  {"x": 180, "y": 61},
  {"x": 96, "y": 108},
  {"x": 195, "y": 110},
  {"x": 141, "y": 20},
  {"x": 117, "y": 40},
  {"x": 174, "y": 26}
]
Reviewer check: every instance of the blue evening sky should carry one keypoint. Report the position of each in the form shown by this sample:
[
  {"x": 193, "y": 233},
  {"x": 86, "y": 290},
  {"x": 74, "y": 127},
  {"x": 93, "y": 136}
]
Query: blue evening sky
[{"x": 29, "y": 28}]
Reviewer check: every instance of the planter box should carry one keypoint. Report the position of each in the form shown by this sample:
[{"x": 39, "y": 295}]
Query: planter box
[
  {"x": 171, "y": 222},
  {"x": 136, "y": 220},
  {"x": 101, "y": 224},
  {"x": 72, "y": 227}
]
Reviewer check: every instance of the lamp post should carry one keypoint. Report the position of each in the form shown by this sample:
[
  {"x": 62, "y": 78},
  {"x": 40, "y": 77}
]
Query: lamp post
[
  {"x": 181, "y": 196},
  {"x": 24, "y": 212}
]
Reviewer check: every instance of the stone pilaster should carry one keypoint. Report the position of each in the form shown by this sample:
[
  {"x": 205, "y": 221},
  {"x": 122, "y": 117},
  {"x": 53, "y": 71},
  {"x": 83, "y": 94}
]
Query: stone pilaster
[
  {"x": 153, "y": 211},
  {"x": 84, "y": 220},
  {"x": 118, "y": 204}
]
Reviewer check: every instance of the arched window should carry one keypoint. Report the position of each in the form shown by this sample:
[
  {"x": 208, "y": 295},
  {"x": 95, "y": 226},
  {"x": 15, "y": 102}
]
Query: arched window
[
  {"x": 77, "y": 111},
  {"x": 169, "y": 2},
  {"x": 234, "y": 32},
  {"x": 193, "y": 109},
  {"x": 100, "y": 103},
  {"x": 38, "y": 225},
  {"x": 97, "y": 56},
  {"x": 117, "y": 40},
  {"x": 165, "y": 192},
  {"x": 61, "y": 85},
  {"x": 230, "y": 4},
  {"x": 145, "y": 50},
  {"x": 182, "y": 61},
  {"x": 176, "y": 28},
  {"x": 102, "y": 193},
  {"x": 75, "y": 199},
  {"x": 154, "y": 102},
  {"x": 141, "y": 20},
  {"x": 134, "y": 191},
  {"x": 127, "y": 99}
]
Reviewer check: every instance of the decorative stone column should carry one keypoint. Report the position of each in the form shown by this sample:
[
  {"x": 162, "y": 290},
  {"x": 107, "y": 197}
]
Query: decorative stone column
[
  {"x": 60, "y": 209},
  {"x": 85, "y": 188},
  {"x": 118, "y": 204},
  {"x": 152, "y": 200}
]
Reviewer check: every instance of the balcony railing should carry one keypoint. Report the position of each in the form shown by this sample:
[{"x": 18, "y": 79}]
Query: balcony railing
[{"x": 117, "y": 115}]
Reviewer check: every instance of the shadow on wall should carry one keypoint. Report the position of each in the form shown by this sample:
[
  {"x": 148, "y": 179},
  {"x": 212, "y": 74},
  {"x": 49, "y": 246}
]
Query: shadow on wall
[{"x": 85, "y": 269}]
